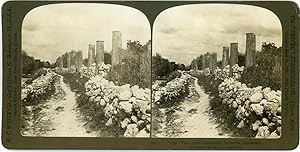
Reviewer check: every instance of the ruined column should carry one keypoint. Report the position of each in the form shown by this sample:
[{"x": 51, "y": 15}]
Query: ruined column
[
  {"x": 72, "y": 62},
  {"x": 99, "y": 52},
  {"x": 250, "y": 49},
  {"x": 116, "y": 47},
  {"x": 202, "y": 57},
  {"x": 68, "y": 60},
  {"x": 76, "y": 59},
  {"x": 79, "y": 59},
  {"x": 225, "y": 57},
  {"x": 207, "y": 60},
  {"x": 214, "y": 61},
  {"x": 233, "y": 56},
  {"x": 60, "y": 62},
  {"x": 90, "y": 54}
]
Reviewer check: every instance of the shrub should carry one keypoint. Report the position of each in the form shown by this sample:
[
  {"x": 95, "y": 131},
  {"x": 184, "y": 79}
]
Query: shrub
[
  {"x": 135, "y": 67},
  {"x": 267, "y": 70}
]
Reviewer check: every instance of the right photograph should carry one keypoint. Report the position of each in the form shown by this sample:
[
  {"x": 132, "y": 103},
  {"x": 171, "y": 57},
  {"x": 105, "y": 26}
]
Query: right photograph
[{"x": 216, "y": 72}]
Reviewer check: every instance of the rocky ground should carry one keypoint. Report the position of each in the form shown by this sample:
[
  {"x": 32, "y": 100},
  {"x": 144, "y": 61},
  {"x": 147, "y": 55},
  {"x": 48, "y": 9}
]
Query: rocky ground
[
  {"x": 190, "y": 119},
  {"x": 57, "y": 116}
]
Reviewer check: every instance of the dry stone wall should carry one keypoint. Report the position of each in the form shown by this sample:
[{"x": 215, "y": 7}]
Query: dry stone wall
[
  {"x": 259, "y": 108},
  {"x": 123, "y": 106}
]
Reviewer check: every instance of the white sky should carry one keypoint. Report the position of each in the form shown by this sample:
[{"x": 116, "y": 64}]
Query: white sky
[
  {"x": 51, "y": 30},
  {"x": 183, "y": 33}
]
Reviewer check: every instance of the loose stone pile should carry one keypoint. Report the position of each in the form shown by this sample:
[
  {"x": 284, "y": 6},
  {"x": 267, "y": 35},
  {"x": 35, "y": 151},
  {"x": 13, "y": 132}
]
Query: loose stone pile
[
  {"x": 86, "y": 71},
  {"x": 123, "y": 106},
  {"x": 224, "y": 73},
  {"x": 91, "y": 71},
  {"x": 259, "y": 108}
]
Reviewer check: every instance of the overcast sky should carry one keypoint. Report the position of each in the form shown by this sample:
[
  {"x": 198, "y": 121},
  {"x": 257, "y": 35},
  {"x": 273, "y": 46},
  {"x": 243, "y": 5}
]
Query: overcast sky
[
  {"x": 183, "y": 33},
  {"x": 51, "y": 30}
]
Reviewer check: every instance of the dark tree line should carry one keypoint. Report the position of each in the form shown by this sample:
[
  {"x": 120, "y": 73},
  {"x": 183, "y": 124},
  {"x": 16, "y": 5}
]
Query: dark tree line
[
  {"x": 30, "y": 65},
  {"x": 162, "y": 67}
]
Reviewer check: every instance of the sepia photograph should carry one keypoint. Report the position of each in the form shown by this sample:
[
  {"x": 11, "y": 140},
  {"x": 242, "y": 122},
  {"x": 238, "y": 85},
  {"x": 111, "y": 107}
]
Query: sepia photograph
[
  {"x": 216, "y": 72},
  {"x": 86, "y": 71}
]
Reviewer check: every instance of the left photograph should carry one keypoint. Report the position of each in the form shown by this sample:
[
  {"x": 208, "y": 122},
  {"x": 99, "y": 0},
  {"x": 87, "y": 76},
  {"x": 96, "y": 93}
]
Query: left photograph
[{"x": 86, "y": 71}]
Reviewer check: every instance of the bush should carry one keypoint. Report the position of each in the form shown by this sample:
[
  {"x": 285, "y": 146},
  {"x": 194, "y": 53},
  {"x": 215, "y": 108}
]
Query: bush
[
  {"x": 267, "y": 70},
  {"x": 135, "y": 68},
  {"x": 173, "y": 75}
]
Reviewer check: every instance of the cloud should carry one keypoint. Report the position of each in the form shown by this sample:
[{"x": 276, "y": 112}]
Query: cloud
[
  {"x": 51, "y": 30},
  {"x": 205, "y": 28}
]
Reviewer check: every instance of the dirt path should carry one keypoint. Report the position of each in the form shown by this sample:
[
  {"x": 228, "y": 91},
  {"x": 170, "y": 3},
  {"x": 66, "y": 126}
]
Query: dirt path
[
  {"x": 59, "y": 116},
  {"x": 190, "y": 119}
]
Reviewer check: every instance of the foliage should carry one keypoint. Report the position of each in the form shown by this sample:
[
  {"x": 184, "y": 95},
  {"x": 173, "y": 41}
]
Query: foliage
[
  {"x": 162, "y": 67},
  {"x": 241, "y": 59},
  {"x": 135, "y": 67},
  {"x": 30, "y": 65},
  {"x": 267, "y": 70}
]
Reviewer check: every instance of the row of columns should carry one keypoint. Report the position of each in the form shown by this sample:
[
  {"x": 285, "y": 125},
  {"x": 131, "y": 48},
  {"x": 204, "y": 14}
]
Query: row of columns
[
  {"x": 230, "y": 55},
  {"x": 95, "y": 53}
]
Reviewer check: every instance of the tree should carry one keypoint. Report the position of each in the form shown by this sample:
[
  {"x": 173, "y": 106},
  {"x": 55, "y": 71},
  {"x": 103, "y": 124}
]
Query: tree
[
  {"x": 267, "y": 69},
  {"x": 135, "y": 68}
]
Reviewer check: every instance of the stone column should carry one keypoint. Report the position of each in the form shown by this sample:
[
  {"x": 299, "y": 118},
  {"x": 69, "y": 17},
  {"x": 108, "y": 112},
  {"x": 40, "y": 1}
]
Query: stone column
[
  {"x": 79, "y": 59},
  {"x": 99, "y": 52},
  {"x": 90, "y": 54},
  {"x": 73, "y": 58},
  {"x": 225, "y": 57},
  {"x": 60, "y": 62},
  {"x": 250, "y": 49},
  {"x": 202, "y": 62},
  {"x": 116, "y": 47},
  {"x": 68, "y": 60},
  {"x": 99, "y": 55},
  {"x": 76, "y": 59},
  {"x": 207, "y": 61},
  {"x": 214, "y": 59},
  {"x": 233, "y": 56}
]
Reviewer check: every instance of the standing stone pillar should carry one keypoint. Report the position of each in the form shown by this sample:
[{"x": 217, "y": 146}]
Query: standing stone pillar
[
  {"x": 202, "y": 62},
  {"x": 76, "y": 60},
  {"x": 79, "y": 59},
  {"x": 214, "y": 59},
  {"x": 60, "y": 63},
  {"x": 72, "y": 58},
  {"x": 90, "y": 54},
  {"x": 99, "y": 54},
  {"x": 207, "y": 63},
  {"x": 233, "y": 56},
  {"x": 250, "y": 49},
  {"x": 68, "y": 60},
  {"x": 116, "y": 47},
  {"x": 225, "y": 57}
]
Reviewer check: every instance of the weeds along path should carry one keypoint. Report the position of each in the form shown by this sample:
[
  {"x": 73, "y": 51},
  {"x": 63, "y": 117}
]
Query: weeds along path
[
  {"x": 59, "y": 116},
  {"x": 191, "y": 118}
]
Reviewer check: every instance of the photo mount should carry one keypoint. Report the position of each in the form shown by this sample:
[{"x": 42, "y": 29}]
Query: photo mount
[{"x": 13, "y": 15}]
